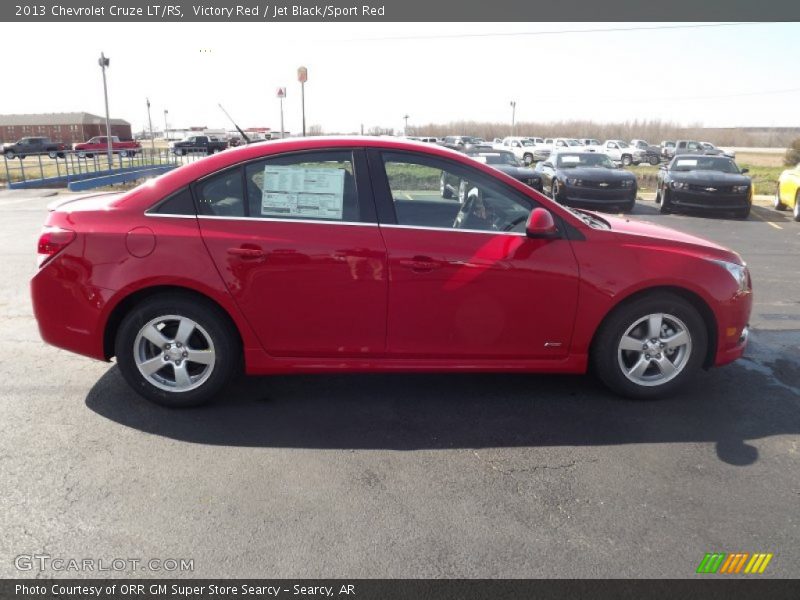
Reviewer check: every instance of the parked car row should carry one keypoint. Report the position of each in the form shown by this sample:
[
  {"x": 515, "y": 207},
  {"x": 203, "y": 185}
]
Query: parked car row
[{"x": 669, "y": 149}]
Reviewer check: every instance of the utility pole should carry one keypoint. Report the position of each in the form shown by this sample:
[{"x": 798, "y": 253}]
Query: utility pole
[
  {"x": 302, "y": 77},
  {"x": 405, "y": 127},
  {"x": 166, "y": 127},
  {"x": 150, "y": 124},
  {"x": 513, "y": 115},
  {"x": 105, "y": 62}
]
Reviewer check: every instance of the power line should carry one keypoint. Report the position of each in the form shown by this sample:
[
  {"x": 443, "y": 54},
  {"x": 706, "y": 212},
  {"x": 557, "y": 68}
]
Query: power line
[{"x": 558, "y": 32}]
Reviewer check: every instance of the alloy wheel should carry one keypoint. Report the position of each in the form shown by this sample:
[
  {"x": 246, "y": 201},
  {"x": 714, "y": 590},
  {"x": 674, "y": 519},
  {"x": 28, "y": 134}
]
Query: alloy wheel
[
  {"x": 174, "y": 353},
  {"x": 654, "y": 349}
]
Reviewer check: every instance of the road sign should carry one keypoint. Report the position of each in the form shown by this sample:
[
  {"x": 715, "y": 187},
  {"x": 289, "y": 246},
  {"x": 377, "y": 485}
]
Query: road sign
[
  {"x": 302, "y": 74},
  {"x": 281, "y": 92}
]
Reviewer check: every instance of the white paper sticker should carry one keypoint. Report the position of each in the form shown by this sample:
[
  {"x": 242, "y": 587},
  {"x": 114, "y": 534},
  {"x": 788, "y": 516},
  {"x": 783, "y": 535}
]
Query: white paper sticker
[
  {"x": 570, "y": 160},
  {"x": 686, "y": 162},
  {"x": 302, "y": 192}
]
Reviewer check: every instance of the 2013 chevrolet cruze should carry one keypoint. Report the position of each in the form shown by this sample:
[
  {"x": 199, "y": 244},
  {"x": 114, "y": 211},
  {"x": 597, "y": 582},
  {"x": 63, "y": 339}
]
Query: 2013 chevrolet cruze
[{"x": 328, "y": 255}]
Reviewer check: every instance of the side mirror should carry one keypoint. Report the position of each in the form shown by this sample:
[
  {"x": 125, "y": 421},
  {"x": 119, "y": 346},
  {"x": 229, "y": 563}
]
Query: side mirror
[
  {"x": 541, "y": 225},
  {"x": 745, "y": 170},
  {"x": 547, "y": 164}
]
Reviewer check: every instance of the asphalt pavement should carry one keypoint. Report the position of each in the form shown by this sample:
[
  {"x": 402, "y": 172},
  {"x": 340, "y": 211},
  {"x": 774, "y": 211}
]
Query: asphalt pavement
[{"x": 406, "y": 475}]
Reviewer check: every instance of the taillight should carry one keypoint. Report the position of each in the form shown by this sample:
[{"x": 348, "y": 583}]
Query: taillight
[{"x": 52, "y": 241}]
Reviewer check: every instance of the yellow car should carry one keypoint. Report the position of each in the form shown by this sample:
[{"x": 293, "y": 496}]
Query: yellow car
[{"x": 788, "y": 195}]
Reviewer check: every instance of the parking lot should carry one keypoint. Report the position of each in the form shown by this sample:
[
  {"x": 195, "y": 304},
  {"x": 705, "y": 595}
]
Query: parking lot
[{"x": 407, "y": 475}]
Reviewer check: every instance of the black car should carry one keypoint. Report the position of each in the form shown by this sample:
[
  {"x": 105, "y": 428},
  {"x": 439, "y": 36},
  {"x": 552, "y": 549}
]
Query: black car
[
  {"x": 587, "y": 179},
  {"x": 202, "y": 144},
  {"x": 697, "y": 181},
  {"x": 461, "y": 142},
  {"x": 502, "y": 160}
]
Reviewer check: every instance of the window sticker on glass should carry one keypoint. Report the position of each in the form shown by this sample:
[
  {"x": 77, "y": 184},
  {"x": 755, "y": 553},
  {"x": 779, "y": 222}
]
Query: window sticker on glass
[
  {"x": 686, "y": 162},
  {"x": 570, "y": 160},
  {"x": 482, "y": 159},
  {"x": 302, "y": 192}
]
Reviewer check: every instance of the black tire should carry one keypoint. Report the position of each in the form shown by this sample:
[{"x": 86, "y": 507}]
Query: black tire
[
  {"x": 605, "y": 347},
  {"x": 124, "y": 153},
  {"x": 776, "y": 201},
  {"x": 11, "y": 155},
  {"x": 796, "y": 209},
  {"x": 555, "y": 191},
  {"x": 626, "y": 160},
  {"x": 215, "y": 323},
  {"x": 527, "y": 158},
  {"x": 445, "y": 191},
  {"x": 654, "y": 160},
  {"x": 52, "y": 154},
  {"x": 665, "y": 207}
]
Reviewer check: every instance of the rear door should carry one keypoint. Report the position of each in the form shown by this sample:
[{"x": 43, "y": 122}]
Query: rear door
[
  {"x": 465, "y": 280},
  {"x": 296, "y": 241}
]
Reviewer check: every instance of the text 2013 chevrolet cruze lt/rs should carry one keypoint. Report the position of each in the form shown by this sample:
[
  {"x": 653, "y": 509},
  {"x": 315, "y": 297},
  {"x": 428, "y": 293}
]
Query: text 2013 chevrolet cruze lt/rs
[{"x": 323, "y": 255}]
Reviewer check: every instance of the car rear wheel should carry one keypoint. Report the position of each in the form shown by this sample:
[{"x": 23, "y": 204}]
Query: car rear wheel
[
  {"x": 176, "y": 351},
  {"x": 445, "y": 191},
  {"x": 626, "y": 160},
  {"x": 776, "y": 201},
  {"x": 124, "y": 153},
  {"x": 796, "y": 209},
  {"x": 527, "y": 159},
  {"x": 650, "y": 347},
  {"x": 654, "y": 160}
]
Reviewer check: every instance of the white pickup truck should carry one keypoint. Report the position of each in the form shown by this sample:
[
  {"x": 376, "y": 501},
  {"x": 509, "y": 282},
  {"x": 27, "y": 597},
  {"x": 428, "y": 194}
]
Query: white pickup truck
[
  {"x": 621, "y": 152},
  {"x": 523, "y": 148}
]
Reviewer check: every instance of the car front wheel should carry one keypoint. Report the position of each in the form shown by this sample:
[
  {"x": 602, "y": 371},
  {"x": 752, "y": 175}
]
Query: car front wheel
[
  {"x": 177, "y": 351},
  {"x": 650, "y": 347},
  {"x": 11, "y": 155},
  {"x": 626, "y": 160}
]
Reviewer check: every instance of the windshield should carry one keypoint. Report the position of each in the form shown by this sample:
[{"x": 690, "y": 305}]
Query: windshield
[
  {"x": 526, "y": 142},
  {"x": 622, "y": 144},
  {"x": 497, "y": 158},
  {"x": 705, "y": 163},
  {"x": 584, "y": 159}
]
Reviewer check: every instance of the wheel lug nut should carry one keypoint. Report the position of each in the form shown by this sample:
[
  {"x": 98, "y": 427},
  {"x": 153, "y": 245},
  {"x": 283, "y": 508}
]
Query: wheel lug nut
[{"x": 185, "y": 353}]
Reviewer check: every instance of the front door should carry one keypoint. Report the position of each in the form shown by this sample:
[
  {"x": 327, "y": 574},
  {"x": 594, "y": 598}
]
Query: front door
[
  {"x": 465, "y": 281},
  {"x": 295, "y": 240}
]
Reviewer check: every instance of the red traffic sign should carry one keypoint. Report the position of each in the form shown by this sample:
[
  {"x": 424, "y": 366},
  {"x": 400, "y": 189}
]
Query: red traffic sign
[
  {"x": 281, "y": 92},
  {"x": 302, "y": 74}
]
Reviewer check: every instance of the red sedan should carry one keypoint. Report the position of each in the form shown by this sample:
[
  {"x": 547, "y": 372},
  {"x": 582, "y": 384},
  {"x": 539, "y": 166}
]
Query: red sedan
[{"x": 322, "y": 255}]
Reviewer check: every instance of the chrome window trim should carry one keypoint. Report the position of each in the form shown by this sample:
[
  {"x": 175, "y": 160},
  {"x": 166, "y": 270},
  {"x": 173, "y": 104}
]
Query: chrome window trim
[
  {"x": 278, "y": 220},
  {"x": 422, "y": 227},
  {"x": 169, "y": 216}
]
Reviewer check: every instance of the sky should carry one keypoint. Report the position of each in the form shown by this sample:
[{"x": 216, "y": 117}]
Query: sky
[{"x": 374, "y": 74}]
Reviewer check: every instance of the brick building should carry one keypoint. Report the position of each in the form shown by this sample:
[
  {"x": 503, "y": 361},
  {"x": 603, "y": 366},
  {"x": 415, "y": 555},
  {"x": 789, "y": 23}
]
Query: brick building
[{"x": 60, "y": 127}]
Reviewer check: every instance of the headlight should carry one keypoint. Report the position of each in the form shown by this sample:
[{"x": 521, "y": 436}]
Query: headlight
[
  {"x": 740, "y": 189},
  {"x": 574, "y": 181},
  {"x": 739, "y": 273},
  {"x": 627, "y": 183},
  {"x": 679, "y": 185}
]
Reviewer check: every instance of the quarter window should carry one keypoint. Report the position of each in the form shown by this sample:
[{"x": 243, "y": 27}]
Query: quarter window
[
  {"x": 309, "y": 186},
  {"x": 429, "y": 192}
]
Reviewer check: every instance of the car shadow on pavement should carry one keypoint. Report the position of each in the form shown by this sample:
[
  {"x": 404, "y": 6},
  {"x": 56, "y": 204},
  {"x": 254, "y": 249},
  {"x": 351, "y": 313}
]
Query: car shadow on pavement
[{"x": 726, "y": 406}]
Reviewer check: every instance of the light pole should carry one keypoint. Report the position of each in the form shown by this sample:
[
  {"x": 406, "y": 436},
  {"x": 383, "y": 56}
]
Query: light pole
[
  {"x": 302, "y": 77},
  {"x": 105, "y": 62},
  {"x": 405, "y": 127},
  {"x": 166, "y": 127},
  {"x": 513, "y": 115},
  {"x": 150, "y": 124}
]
